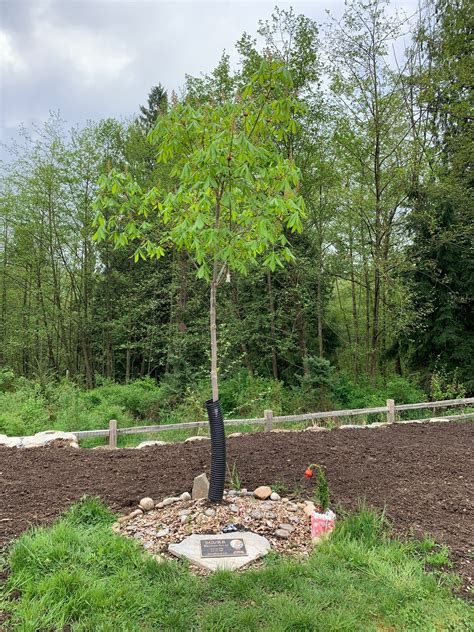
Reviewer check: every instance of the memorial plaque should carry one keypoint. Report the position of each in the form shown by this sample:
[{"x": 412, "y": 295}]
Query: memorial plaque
[{"x": 223, "y": 547}]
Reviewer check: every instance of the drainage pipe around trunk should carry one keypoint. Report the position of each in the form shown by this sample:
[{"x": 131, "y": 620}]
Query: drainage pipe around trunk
[{"x": 218, "y": 460}]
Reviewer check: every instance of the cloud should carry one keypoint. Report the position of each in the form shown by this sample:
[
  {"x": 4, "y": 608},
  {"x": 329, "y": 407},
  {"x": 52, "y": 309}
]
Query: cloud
[
  {"x": 10, "y": 59},
  {"x": 93, "y": 59}
]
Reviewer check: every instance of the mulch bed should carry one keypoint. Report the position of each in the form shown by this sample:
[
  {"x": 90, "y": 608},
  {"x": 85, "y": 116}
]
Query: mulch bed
[{"x": 421, "y": 474}]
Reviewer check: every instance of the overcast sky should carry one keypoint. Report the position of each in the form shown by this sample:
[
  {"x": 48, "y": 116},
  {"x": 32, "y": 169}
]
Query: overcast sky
[{"x": 92, "y": 59}]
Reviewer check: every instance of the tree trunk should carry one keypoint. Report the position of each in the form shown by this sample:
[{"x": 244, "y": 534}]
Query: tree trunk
[
  {"x": 213, "y": 327},
  {"x": 272, "y": 326},
  {"x": 243, "y": 345}
]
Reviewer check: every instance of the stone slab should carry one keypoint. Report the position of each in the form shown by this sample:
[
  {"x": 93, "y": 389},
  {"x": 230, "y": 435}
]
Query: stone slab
[{"x": 256, "y": 546}]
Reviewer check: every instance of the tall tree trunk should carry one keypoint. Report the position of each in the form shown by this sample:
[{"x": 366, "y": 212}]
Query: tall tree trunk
[
  {"x": 213, "y": 328},
  {"x": 355, "y": 316},
  {"x": 243, "y": 345},
  {"x": 3, "y": 311},
  {"x": 271, "y": 306}
]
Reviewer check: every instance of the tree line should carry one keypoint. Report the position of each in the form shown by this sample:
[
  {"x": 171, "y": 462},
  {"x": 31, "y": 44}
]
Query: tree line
[{"x": 381, "y": 275}]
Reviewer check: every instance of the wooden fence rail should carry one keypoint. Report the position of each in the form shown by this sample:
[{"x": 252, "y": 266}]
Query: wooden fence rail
[{"x": 269, "y": 420}]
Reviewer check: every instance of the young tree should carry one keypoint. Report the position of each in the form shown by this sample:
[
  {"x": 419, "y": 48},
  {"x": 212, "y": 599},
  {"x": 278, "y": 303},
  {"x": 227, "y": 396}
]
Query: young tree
[{"x": 236, "y": 195}]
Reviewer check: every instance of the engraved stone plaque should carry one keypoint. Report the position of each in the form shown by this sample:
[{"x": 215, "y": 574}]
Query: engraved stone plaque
[{"x": 223, "y": 547}]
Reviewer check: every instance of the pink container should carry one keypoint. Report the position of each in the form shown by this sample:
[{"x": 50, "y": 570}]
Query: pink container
[{"x": 322, "y": 524}]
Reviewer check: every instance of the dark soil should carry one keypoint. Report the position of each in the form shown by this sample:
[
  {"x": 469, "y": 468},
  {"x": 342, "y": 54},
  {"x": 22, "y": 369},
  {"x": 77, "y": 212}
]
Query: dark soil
[{"x": 421, "y": 474}]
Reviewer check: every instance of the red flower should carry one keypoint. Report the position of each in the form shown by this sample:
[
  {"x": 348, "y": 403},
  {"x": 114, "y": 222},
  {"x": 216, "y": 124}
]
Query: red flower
[{"x": 309, "y": 473}]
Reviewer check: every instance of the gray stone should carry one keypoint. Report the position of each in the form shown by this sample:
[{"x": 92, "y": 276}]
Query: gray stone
[
  {"x": 275, "y": 496},
  {"x": 149, "y": 444},
  {"x": 200, "y": 487},
  {"x": 185, "y": 512},
  {"x": 282, "y": 533},
  {"x": 185, "y": 496},
  {"x": 263, "y": 492},
  {"x": 48, "y": 436},
  {"x": 162, "y": 533},
  {"x": 232, "y": 492},
  {"x": 256, "y": 546},
  {"x": 196, "y": 438},
  {"x": 169, "y": 501},
  {"x": 210, "y": 513},
  {"x": 10, "y": 442},
  {"x": 257, "y": 515},
  {"x": 351, "y": 426},
  {"x": 146, "y": 504},
  {"x": 287, "y": 527},
  {"x": 291, "y": 507},
  {"x": 233, "y": 508}
]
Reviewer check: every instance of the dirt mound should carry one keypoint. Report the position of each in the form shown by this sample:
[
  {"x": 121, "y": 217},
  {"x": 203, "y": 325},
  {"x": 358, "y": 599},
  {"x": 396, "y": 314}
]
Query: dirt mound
[{"x": 421, "y": 474}]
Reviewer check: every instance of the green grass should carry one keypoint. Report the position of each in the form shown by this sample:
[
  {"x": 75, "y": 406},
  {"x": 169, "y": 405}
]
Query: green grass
[
  {"x": 27, "y": 407},
  {"x": 79, "y": 573}
]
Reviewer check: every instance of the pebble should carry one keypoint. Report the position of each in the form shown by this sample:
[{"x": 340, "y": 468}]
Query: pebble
[
  {"x": 162, "y": 533},
  {"x": 233, "y": 508},
  {"x": 291, "y": 507},
  {"x": 135, "y": 514},
  {"x": 275, "y": 496},
  {"x": 287, "y": 527},
  {"x": 159, "y": 505},
  {"x": 263, "y": 492},
  {"x": 169, "y": 501},
  {"x": 146, "y": 504},
  {"x": 123, "y": 519},
  {"x": 282, "y": 533},
  {"x": 257, "y": 515},
  {"x": 185, "y": 496},
  {"x": 270, "y": 515},
  {"x": 210, "y": 513},
  {"x": 232, "y": 492}
]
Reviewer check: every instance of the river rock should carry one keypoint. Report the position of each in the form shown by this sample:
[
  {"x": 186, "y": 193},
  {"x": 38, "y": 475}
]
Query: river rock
[
  {"x": 146, "y": 504},
  {"x": 169, "y": 501},
  {"x": 274, "y": 496},
  {"x": 263, "y": 492},
  {"x": 185, "y": 496},
  {"x": 210, "y": 513},
  {"x": 196, "y": 438},
  {"x": 282, "y": 533},
  {"x": 135, "y": 514},
  {"x": 200, "y": 487},
  {"x": 162, "y": 533},
  {"x": 149, "y": 444},
  {"x": 10, "y": 442}
]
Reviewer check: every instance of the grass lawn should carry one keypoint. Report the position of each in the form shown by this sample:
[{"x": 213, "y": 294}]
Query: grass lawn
[{"x": 80, "y": 574}]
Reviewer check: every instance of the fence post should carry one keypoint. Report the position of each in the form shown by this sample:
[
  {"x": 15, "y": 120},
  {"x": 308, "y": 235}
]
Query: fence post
[
  {"x": 113, "y": 433},
  {"x": 268, "y": 414},
  {"x": 391, "y": 411}
]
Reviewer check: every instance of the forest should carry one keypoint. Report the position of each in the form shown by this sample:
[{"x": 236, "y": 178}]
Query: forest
[{"x": 366, "y": 291}]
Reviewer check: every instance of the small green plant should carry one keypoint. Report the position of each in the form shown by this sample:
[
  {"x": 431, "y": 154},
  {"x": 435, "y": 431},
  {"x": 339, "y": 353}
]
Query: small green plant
[
  {"x": 233, "y": 476},
  {"x": 279, "y": 487},
  {"x": 321, "y": 492}
]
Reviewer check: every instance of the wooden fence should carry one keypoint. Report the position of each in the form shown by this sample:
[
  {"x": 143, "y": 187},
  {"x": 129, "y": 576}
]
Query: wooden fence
[{"x": 269, "y": 420}]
